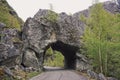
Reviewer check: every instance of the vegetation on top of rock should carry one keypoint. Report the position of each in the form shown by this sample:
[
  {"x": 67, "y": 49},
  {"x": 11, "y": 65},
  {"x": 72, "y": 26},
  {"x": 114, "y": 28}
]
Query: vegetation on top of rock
[
  {"x": 52, "y": 16},
  {"x": 9, "y": 16}
]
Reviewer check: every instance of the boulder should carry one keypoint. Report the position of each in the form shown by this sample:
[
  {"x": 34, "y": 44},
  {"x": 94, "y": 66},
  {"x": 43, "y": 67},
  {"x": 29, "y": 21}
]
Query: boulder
[
  {"x": 2, "y": 25},
  {"x": 92, "y": 75},
  {"x": 101, "y": 76},
  {"x": 30, "y": 59},
  {"x": 82, "y": 63}
]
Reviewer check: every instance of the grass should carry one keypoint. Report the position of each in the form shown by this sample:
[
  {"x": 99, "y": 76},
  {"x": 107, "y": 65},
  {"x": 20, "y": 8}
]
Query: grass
[
  {"x": 18, "y": 75},
  {"x": 32, "y": 74},
  {"x": 25, "y": 75},
  {"x": 11, "y": 21}
]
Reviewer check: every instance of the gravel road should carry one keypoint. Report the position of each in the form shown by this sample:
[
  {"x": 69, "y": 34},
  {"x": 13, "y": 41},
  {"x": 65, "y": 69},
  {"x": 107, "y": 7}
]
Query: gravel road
[{"x": 59, "y": 75}]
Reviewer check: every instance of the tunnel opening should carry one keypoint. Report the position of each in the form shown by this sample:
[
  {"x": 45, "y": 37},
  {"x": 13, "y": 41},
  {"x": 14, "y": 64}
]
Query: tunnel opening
[
  {"x": 53, "y": 58},
  {"x": 68, "y": 51}
]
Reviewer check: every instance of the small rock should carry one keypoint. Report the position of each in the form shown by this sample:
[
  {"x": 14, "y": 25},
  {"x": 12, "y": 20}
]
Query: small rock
[
  {"x": 2, "y": 25},
  {"x": 92, "y": 74},
  {"x": 8, "y": 72},
  {"x": 111, "y": 78},
  {"x": 101, "y": 77},
  {"x": 19, "y": 77},
  {"x": 12, "y": 12}
]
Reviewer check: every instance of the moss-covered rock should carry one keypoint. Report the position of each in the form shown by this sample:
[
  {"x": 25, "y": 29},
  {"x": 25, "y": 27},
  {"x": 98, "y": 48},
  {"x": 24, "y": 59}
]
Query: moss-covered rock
[
  {"x": 9, "y": 16},
  {"x": 10, "y": 39}
]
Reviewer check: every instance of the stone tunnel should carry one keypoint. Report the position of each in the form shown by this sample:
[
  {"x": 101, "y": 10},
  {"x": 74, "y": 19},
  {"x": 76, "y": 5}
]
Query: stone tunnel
[
  {"x": 69, "y": 53},
  {"x": 62, "y": 35}
]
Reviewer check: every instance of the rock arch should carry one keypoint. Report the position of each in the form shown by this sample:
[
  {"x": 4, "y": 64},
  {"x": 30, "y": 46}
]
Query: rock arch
[
  {"x": 68, "y": 51},
  {"x": 62, "y": 35}
]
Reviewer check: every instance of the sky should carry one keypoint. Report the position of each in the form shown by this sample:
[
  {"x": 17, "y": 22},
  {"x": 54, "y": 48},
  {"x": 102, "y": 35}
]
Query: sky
[{"x": 28, "y": 8}]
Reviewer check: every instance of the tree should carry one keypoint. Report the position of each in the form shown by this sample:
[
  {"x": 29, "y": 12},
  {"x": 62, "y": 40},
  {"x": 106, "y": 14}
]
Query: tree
[
  {"x": 53, "y": 58},
  {"x": 114, "y": 49},
  {"x": 100, "y": 35}
]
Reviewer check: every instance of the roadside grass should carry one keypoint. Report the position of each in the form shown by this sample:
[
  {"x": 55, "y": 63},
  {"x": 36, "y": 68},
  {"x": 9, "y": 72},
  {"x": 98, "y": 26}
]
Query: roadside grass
[
  {"x": 18, "y": 75},
  {"x": 32, "y": 74}
]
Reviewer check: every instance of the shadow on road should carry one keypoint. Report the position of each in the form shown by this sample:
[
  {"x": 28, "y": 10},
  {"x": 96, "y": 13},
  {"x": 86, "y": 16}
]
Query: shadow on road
[{"x": 48, "y": 68}]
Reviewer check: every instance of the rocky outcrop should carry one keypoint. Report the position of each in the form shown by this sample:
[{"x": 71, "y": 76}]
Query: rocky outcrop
[
  {"x": 63, "y": 35},
  {"x": 29, "y": 58},
  {"x": 10, "y": 40},
  {"x": 9, "y": 46},
  {"x": 111, "y": 7},
  {"x": 10, "y": 52}
]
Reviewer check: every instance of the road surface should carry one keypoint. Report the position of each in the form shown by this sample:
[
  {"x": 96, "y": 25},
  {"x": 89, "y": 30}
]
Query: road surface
[{"x": 59, "y": 75}]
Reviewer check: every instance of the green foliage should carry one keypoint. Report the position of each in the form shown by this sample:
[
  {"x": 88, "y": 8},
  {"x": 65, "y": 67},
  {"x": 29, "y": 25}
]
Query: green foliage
[
  {"x": 52, "y": 17},
  {"x": 58, "y": 59},
  {"x": 102, "y": 41},
  {"x": 10, "y": 20},
  {"x": 49, "y": 52},
  {"x": 53, "y": 58}
]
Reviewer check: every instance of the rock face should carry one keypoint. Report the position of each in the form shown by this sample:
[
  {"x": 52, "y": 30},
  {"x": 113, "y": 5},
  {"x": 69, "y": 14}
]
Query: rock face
[
  {"x": 9, "y": 49},
  {"x": 118, "y": 3},
  {"x": 111, "y": 7},
  {"x": 10, "y": 42}
]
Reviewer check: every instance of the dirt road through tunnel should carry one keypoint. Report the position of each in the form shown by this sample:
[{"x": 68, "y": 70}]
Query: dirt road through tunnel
[{"x": 59, "y": 75}]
